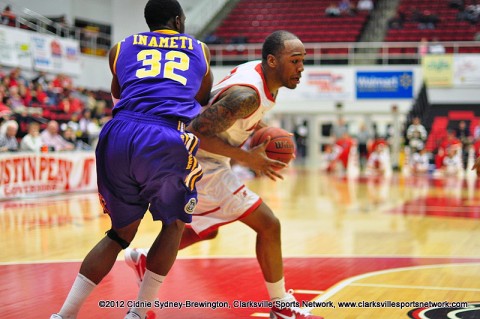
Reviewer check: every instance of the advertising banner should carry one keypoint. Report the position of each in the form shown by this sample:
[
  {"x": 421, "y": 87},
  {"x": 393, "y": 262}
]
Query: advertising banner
[
  {"x": 56, "y": 55},
  {"x": 322, "y": 84},
  {"x": 32, "y": 174},
  {"x": 15, "y": 48},
  {"x": 438, "y": 70},
  {"x": 32, "y": 50},
  {"x": 466, "y": 70},
  {"x": 384, "y": 84}
]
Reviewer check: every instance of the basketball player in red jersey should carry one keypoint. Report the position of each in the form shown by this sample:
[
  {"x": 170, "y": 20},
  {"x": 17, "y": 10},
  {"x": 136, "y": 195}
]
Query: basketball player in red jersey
[{"x": 235, "y": 109}]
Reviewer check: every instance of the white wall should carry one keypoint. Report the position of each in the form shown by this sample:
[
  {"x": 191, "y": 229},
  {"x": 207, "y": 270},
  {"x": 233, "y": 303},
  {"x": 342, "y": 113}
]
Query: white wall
[
  {"x": 96, "y": 73},
  {"x": 127, "y": 18},
  {"x": 93, "y": 10},
  {"x": 459, "y": 95}
]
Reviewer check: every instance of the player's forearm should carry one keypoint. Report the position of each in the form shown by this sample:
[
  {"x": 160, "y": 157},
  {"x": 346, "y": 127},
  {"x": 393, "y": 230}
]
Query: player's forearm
[{"x": 215, "y": 145}]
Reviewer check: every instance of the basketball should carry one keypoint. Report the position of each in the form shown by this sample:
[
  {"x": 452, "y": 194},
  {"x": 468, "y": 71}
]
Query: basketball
[{"x": 281, "y": 146}]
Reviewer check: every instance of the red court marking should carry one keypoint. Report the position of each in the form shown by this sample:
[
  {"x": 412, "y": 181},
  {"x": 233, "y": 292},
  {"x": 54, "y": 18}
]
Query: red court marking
[
  {"x": 36, "y": 290},
  {"x": 440, "y": 207}
]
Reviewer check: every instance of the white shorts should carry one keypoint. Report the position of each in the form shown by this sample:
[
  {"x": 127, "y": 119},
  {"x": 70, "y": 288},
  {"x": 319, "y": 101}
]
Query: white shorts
[{"x": 222, "y": 197}]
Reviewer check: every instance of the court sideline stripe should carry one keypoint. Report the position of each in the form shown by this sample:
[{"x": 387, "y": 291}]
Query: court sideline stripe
[
  {"x": 344, "y": 283},
  {"x": 458, "y": 258}
]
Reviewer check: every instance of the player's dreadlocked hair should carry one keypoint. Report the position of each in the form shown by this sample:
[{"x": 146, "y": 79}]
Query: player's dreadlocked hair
[
  {"x": 159, "y": 12},
  {"x": 274, "y": 43}
]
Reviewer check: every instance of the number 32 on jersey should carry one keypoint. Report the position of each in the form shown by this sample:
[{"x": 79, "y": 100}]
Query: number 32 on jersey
[{"x": 152, "y": 62}]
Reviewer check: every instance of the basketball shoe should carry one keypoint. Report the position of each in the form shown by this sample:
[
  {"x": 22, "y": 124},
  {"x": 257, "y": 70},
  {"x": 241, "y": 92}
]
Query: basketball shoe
[
  {"x": 289, "y": 309},
  {"x": 136, "y": 258},
  {"x": 132, "y": 315}
]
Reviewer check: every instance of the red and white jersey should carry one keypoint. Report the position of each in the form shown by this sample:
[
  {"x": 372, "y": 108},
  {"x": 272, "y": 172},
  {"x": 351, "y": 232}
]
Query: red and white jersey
[{"x": 249, "y": 74}]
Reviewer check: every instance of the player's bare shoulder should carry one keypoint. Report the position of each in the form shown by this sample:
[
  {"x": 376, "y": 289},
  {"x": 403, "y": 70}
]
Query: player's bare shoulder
[{"x": 235, "y": 103}]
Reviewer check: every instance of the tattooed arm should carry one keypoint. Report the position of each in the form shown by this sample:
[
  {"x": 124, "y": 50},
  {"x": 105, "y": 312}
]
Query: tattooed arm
[{"x": 235, "y": 103}]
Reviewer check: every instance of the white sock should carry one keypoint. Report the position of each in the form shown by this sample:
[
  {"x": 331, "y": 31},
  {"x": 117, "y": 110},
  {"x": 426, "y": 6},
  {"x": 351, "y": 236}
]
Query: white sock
[
  {"x": 148, "y": 291},
  {"x": 276, "y": 290},
  {"x": 81, "y": 289}
]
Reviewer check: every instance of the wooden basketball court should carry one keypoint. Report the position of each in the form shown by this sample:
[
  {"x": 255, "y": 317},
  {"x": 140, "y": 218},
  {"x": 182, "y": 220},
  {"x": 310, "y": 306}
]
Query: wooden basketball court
[{"x": 390, "y": 246}]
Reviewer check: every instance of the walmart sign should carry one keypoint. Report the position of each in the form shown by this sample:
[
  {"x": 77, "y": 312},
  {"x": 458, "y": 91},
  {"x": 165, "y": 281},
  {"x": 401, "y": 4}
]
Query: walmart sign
[{"x": 384, "y": 85}]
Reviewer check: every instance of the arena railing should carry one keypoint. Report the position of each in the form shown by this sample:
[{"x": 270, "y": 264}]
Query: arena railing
[{"x": 355, "y": 53}]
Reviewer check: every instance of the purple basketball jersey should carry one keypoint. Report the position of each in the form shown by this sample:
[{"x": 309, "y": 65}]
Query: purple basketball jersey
[{"x": 160, "y": 73}]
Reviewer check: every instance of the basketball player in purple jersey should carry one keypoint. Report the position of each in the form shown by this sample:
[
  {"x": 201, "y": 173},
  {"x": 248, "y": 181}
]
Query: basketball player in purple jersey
[{"x": 145, "y": 158}]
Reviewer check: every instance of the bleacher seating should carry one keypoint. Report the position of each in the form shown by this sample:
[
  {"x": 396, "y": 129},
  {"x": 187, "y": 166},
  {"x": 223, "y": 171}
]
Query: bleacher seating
[
  {"x": 445, "y": 118},
  {"x": 255, "y": 19},
  {"x": 449, "y": 27}
]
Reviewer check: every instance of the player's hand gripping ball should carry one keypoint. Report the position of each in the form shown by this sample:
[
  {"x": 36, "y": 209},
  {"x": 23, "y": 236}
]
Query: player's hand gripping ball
[{"x": 281, "y": 146}]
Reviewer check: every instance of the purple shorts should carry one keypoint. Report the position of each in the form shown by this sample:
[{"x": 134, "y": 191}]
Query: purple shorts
[{"x": 145, "y": 162}]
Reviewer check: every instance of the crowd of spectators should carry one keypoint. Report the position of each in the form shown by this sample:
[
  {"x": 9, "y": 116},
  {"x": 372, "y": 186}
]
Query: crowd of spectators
[
  {"x": 348, "y": 8},
  {"x": 425, "y": 19},
  {"x": 47, "y": 112},
  {"x": 469, "y": 13},
  {"x": 450, "y": 153},
  {"x": 448, "y": 157}
]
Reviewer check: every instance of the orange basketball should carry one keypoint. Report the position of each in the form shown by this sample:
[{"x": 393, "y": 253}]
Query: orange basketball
[{"x": 281, "y": 146}]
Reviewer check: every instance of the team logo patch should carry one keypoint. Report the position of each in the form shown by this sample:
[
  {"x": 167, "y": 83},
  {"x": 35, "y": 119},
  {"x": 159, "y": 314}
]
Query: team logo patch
[
  {"x": 190, "y": 206},
  {"x": 470, "y": 312}
]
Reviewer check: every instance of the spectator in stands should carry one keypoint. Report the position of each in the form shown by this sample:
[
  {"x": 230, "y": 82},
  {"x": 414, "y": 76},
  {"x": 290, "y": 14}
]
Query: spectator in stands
[
  {"x": 345, "y": 142},
  {"x": 452, "y": 163},
  {"x": 436, "y": 47},
  {"x": 73, "y": 123},
  {"x": 471, "y": 14},
  {"x": 89, "y": 129},
  {"x": 396, "y": 22},
  {"x": 52, "y": 138},
  {"x": 332, "y": 10},
  {"x": 423, "y": 47},
  {"x": 339, "y": 129},
  {"x": 476, "y": 132},
  {"x": 456, "y": 4},
  {"x": 5, "y": 111},
  {"x": 427, "y": 20},
  {"x": 41, "y": 79},
  {"x": 32, "y": 142},
  {"x": 15, "y": 100},
  {"x": 60, "y": 83},
  {"x": 8, "y": 136},
  {"x": 301, "y": 133},
  {"x": 365, "y": 5},
  {"x": 420, "y": 162},
  {"x": 69, "y": 136},
  {"x": 15, "y": 78},
  {"x": 8, "y": 17},
  {"x": 364, "y": 138},
  {"x": 378, "y": 161},
  {"x": 449, "y": 141},
  {"x": 213, "y": 39},
  {"x": 91, "y": 102},
  {"x": 329, "y": 159},
  {"x": 39, "y": 96},
  {"x": 69, "y": 104},
  {"x": 462, "y": 132},
  {"x": 344, "y": 6},
  {"x": 416, "y": 134}
]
